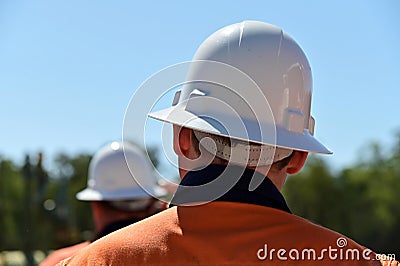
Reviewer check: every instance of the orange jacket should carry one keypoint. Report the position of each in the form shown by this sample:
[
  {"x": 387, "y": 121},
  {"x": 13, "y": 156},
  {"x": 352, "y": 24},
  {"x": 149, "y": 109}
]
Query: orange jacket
[
  {"x": 60, "y": 254},
  {"x": 223, "y": 233},
  {"x": 66, "y": 252}
]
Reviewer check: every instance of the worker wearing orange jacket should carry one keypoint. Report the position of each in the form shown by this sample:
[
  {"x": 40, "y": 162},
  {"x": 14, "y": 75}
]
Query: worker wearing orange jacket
[
  {"x": 242, "y": 123},
  {"x": 116, "y": 199}
]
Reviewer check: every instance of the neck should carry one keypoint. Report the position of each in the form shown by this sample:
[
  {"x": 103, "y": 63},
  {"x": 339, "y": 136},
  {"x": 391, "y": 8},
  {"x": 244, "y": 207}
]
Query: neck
[{"x": 278, "y": 178}]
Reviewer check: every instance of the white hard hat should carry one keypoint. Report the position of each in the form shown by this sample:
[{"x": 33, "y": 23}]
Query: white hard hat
[
  {"x": 110, "y": 179},
  {"x": 277, "y": 66}
]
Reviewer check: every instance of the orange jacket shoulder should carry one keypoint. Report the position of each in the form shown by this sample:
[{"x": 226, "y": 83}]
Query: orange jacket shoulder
[
  {"x": 63, "y": 253},
  {"x": 214, "y": 233}
]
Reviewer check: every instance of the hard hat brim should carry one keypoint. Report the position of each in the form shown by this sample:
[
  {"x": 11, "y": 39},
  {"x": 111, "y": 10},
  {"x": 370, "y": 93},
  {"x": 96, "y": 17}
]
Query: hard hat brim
[
  {"x": 177, "y": 115},
  {"x": 89, "y": 194}
]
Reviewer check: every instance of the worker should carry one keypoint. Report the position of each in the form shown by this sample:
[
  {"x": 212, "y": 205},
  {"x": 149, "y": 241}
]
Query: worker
[
  {"x": 117, "y": 200},
  {"x": 241, "y": 124}
]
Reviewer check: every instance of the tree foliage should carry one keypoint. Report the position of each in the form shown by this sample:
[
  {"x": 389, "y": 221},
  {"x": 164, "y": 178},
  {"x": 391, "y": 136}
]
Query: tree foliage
[
  {"x": 361, "y": 201},
  {"x": 11, "y": 205}
]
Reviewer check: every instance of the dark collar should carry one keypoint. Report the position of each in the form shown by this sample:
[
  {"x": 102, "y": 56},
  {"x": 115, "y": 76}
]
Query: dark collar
[
  {"x": 114, "y": 227},
  {"x": 195, "y": 187}
]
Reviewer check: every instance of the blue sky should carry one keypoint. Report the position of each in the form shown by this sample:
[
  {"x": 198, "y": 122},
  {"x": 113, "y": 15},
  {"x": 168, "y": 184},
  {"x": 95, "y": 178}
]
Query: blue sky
[{"x": 69, "y": 68}]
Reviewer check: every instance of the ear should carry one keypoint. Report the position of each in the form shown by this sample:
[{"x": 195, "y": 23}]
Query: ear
[
  {"x": 182, "y": 140},
  {"x": 297, "y": 162}
]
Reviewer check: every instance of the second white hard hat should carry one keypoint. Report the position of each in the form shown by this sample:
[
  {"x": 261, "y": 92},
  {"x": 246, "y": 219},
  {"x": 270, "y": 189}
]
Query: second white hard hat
[{"x": 111, "y": 179}]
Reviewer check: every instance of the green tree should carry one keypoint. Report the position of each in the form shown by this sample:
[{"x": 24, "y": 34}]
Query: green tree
[
  {"x": 373, "y": 187},
  {"x": 11, "y": 205},
  {"x": 360, "y": 201},
  {"x": 73, "y": 216},
  {"x": 315, "y": 194}
]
